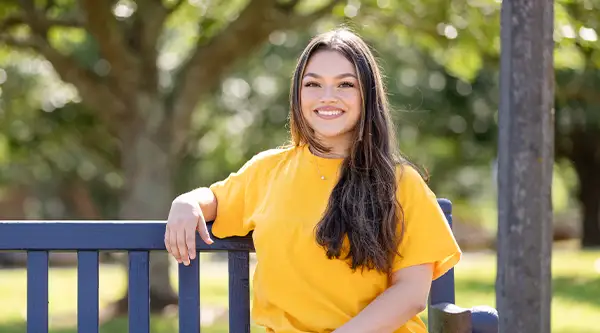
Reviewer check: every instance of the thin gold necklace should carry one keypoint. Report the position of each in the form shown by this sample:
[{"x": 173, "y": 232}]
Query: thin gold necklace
[
  {"x": 319, "y": 171},
  {"x": 316, "y": 163}
]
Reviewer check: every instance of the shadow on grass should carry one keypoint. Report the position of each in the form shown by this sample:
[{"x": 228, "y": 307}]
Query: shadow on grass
[
  {"x": 578, "y": 289},
  {"x": 120, "y": 325}
]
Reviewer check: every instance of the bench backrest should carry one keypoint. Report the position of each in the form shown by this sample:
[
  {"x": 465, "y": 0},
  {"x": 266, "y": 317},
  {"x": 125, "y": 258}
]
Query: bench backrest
[{"x": 87, "y": 238}]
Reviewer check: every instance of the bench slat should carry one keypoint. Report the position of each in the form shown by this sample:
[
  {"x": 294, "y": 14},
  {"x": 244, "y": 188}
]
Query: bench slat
[
  {"x": 189, "y": 296},
  {"x": 139, "y": 292},
  {"x": 442, "y": 289},
  {"x": 87, "y": 291},
  {"x": 37, "y": 291},
  {"x": 100, "y": 236},
  {"x": 239, "y": 291}
]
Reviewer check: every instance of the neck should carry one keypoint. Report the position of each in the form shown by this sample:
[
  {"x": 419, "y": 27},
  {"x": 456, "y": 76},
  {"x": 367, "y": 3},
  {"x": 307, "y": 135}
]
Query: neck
[{"x": 339, "y": 147}]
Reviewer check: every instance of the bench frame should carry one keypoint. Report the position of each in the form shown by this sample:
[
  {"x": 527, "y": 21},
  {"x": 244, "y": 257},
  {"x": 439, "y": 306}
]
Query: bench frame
[{"x": 137, "y": 238}]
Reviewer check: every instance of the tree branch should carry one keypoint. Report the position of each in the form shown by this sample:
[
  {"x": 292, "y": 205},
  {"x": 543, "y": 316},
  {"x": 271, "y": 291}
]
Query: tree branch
[
  {"x": 175, "y": 6},
  {"x": 23, "y": 44},
  {"x": 288, "y": 6},
  {"x": 95, "y": 93},
  {"x": 149, "y": 24},
  {"x": 209, "y": 61},
  {"x": 302, "y": 20},
  {"x": 49, "y": 5},
  {"x": 34, "y": 18},
  {"x": 101, "y": 23},
  {"x": 12, "y": 21}
]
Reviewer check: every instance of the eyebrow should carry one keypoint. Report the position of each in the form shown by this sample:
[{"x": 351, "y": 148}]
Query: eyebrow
[{"x": 337, "y": 77}]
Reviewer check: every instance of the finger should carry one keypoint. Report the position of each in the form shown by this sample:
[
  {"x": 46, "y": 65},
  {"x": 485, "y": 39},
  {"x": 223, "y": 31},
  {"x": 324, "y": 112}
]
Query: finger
[
  {"x": 173, "y": 244},
  {"x": 183, "y": 252},
  {"x": 203, "y": 230},
  {"x": 190, "y": 240},
  {"x": 167, "y": 239}
]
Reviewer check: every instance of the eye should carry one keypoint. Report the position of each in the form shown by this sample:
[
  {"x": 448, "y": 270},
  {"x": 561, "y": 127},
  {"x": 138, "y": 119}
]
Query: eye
[
  {"x": 311, "y": 84},
  {"x": 347, "y": 84}
]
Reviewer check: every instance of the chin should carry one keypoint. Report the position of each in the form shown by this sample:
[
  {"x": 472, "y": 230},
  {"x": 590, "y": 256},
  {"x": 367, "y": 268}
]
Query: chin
[{"x": 331, "y": 133}]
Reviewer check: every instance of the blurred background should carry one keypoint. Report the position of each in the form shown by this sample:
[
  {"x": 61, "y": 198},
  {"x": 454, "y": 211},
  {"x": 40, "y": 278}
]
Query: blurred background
[{"x": 109, "y": 109}]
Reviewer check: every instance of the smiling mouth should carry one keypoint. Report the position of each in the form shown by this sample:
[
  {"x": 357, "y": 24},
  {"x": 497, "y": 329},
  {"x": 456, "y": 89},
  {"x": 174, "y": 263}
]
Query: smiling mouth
[{"x": 329, "y": 114}]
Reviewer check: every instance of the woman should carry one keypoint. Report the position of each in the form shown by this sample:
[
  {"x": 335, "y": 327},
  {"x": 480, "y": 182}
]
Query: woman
[{"x": 348, "y": 236}]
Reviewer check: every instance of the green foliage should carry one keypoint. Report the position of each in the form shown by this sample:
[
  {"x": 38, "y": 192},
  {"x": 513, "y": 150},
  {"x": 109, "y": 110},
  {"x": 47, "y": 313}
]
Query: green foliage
[{"x": 441, "y": 64}]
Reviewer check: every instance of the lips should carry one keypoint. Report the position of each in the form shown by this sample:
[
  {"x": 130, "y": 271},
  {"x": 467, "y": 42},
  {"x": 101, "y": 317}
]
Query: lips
[{"x": 329, "y": 112}]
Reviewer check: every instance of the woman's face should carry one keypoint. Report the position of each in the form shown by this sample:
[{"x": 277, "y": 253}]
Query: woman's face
[{"x": 330, "y": 97}]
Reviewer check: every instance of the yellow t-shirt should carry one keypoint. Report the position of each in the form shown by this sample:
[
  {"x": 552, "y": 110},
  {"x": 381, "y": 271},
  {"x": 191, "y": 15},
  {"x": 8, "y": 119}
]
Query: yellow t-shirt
[{"x": 279, "y": 194}]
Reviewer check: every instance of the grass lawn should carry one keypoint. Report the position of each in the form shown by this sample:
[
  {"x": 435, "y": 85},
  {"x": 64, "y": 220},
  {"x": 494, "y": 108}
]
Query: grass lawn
[{"x": 575, "y": 307}]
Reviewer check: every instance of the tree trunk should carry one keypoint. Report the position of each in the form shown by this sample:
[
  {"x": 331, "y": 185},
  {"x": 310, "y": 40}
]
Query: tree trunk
[
  {"x": 526, "y": 158},
  {"x": 589, "y": 196},
  {"x": 585, "y": 156},
  {"x": 148, "y": 189}
]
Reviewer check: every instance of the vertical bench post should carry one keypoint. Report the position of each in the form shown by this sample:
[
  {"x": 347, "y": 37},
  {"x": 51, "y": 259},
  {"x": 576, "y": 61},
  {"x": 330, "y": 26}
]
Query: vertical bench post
[
  {"x": 239, "y": 291},
  {"x": 189, "y": 296},
  {"x": 139, "y": 292},
  {"x": 37, "y": 291},
  {"x": 87, "y": 291}
]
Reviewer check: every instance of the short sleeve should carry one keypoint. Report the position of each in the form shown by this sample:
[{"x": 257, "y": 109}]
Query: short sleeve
[
  {"x": 231, "y": 196},
  {"x": 427, "y": 236}
]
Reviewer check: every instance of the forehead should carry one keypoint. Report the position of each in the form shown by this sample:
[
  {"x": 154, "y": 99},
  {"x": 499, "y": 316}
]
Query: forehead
[{"x": 329, "y": 63}]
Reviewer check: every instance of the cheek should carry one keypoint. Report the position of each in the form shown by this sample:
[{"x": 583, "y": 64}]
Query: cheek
[
  {"x": 353, "y": 100},
  {"x": 306, "y": 100}
]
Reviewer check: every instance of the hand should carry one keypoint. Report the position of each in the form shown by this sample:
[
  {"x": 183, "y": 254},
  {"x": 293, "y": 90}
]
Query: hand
[{"x": 185, "y": 217}]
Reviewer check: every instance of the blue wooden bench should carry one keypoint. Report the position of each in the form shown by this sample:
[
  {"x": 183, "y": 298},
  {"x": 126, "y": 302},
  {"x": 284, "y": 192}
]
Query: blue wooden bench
[{"x": 140, "y": 237}]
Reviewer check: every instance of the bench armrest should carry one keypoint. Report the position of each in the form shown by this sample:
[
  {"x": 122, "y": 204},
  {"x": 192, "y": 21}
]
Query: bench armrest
[{"x": 451, "y": 318}]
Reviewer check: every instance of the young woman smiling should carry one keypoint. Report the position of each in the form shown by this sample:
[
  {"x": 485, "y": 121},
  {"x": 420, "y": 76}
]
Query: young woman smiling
[{"x": 348, "y": 236}]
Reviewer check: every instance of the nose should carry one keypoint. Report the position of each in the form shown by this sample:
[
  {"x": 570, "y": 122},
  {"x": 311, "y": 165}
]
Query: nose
[{"x": 329, "y": 95}]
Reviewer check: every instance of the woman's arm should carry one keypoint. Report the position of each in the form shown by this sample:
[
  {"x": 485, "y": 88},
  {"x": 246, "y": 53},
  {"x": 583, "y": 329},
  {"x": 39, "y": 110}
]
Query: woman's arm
[
  {"x": 207, "y": 201},
  {"x": 404, "y": 299},
  {"x": 189, "y": 212}
]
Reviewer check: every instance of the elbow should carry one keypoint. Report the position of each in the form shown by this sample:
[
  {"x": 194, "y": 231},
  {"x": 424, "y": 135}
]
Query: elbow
[
  {"x": 410, "y": 309},
  {"x": 419, "y": 300},
  {"x": 418, "y": 306}
]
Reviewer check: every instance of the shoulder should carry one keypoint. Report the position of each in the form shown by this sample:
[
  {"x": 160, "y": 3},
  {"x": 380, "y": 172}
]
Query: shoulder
[
  {"x": 408, "y": 175},
  {"x": 272, "y": 155},
  {"x": 268, "y": 158},
  {"x": 412, "y": 183}
]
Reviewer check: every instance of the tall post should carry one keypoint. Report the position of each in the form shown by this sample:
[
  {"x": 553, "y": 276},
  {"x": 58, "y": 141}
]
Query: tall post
[{"x": 526, "y": 156}]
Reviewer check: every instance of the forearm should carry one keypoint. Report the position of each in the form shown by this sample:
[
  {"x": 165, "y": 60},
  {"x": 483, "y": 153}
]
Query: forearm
[
  {"x": 207, "y": 201},
  {"x": 388, "y": 312}
]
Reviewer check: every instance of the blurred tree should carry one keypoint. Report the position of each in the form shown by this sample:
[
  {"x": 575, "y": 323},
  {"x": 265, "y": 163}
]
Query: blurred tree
[
  {"x": 121, "y": 57},
  {"x": 463, "y": 38},
  {"x": 54, "y": 154},
  {"x": 577, "y": 104}
]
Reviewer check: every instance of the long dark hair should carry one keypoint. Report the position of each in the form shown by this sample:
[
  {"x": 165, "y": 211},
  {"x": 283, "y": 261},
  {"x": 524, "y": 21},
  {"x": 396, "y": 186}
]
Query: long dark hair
[{"x": 363, "y": 206}]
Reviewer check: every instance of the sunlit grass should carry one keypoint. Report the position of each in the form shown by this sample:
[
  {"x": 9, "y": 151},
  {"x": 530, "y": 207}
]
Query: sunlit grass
[
  {"x": 575, "y": 288},
  {"x": 575, "y": 307}
]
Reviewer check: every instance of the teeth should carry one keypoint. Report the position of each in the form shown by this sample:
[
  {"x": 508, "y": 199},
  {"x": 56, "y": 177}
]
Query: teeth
[{"x": 329, "y": 113}]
